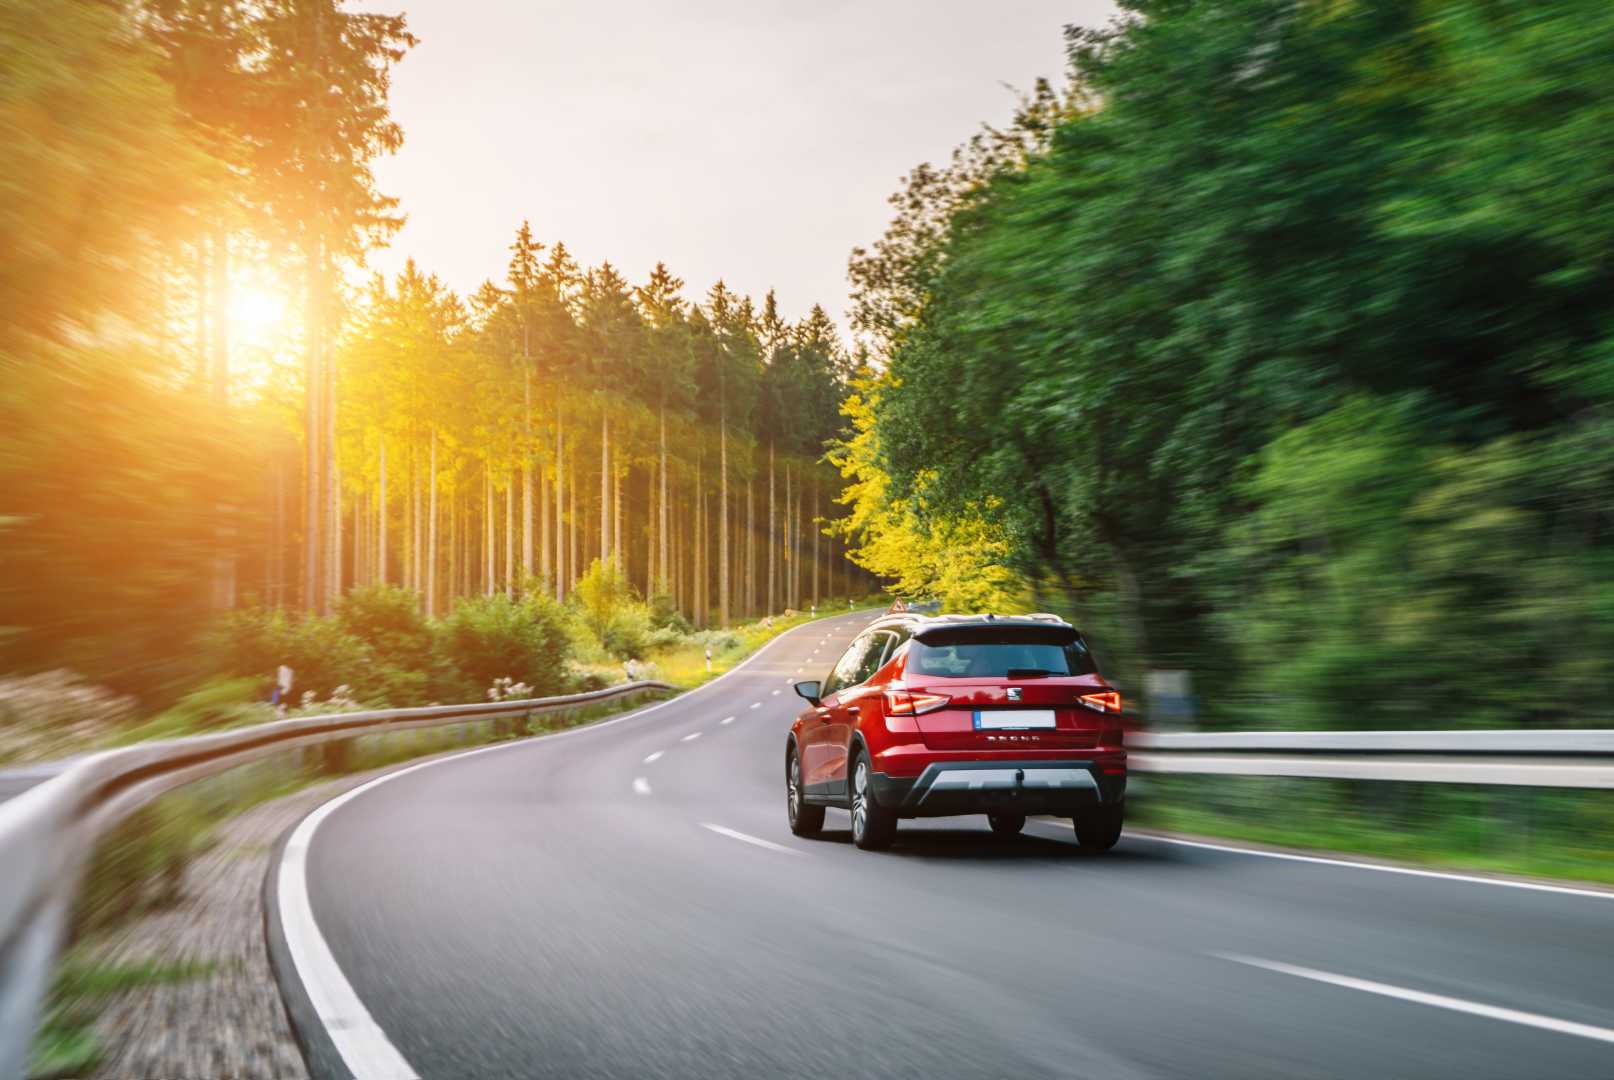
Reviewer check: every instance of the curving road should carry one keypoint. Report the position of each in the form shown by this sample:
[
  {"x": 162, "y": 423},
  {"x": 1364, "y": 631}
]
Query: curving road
[{"x": 627, "y": 901}]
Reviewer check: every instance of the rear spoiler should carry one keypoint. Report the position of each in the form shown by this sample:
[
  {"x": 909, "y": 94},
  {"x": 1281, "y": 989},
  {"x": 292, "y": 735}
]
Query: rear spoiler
[{"x": 1042, "y": 624}]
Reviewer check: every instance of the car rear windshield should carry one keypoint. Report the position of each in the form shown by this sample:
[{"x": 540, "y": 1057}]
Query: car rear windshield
[{"x": 988, "y": 652}]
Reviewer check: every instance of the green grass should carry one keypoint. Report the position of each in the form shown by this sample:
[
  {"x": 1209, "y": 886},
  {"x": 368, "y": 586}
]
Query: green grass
[{"x": 1562, "y": 834}]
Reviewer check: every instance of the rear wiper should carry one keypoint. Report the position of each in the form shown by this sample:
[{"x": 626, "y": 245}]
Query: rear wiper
[{"x": 1029, "y": 673}]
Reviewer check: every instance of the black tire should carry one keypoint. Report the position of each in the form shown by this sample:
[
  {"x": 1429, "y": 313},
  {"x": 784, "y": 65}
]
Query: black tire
[
  {"x": 1098, "y": 829},
  {"x": 1006, "y": 824},
  {"x": 806, "y": 819},
  {"x": 873, "y": 826}
]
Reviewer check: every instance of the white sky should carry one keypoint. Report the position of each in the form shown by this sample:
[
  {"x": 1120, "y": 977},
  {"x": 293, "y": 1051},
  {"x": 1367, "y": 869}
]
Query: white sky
[{"x": 749, "y": 139}]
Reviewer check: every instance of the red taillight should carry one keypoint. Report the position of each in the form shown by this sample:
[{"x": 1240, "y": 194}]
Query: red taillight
[
  {"x": 1103, "y": 701},
  {"x": 908, "y": 703}
]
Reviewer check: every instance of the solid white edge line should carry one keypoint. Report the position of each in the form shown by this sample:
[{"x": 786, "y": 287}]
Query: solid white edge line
[
  {"x": 652, "y": 758},
  {"x": 1536, "y": 886},
  {"x": 1420, "y": 997},
  {"x": 359, "y": 1040},
  {"x": 691, "y": 737},
  {"x": 641, "y": 786},
  {"x": 747, "y": 838}
]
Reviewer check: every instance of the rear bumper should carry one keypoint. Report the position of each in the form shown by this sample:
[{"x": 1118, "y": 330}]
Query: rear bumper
[{"x": 1061, "y": 788}]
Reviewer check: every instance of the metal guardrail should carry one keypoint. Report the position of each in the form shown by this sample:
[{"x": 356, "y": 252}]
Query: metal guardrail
[
  {"x": 49, "y": 829},
  {"x": 1549, "y": 758}
]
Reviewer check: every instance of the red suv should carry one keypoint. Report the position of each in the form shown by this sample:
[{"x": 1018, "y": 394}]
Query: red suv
[{"x": 930, "y": 716}]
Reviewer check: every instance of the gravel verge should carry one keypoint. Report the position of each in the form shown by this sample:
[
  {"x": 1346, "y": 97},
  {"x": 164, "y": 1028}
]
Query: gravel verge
[{"x": 231, "y": 1021}]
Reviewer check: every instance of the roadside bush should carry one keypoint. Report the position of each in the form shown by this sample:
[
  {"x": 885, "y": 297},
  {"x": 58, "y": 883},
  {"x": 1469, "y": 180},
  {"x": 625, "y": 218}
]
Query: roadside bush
[
  {"x": 390, "y": 623},
  {"x": 627, "y": 635},
  {"x": 662, "y": 638},
  {"x": 389, "y": 620},
  {"x": 664, "y": 615},
  {"x": 610, "y": 611},
  {"x": 322, "y": 655},
  {"x": 492, "y": 637}
]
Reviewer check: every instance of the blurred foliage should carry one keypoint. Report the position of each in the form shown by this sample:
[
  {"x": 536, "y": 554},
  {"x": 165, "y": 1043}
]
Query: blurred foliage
[
  {"x": 955, "y": 554},
  {"x": 1278, "y": 348},
  {"x": 490, "y": 637},
  {"x": 113, "y": 489},
  {"x": 610, "y": 610}
]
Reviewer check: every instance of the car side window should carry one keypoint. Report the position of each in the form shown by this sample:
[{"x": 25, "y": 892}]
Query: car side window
[
  {"x": 899, "y": 638},
  {"x": 845, "y": 670},
  {"x": 874, "y": 658}
]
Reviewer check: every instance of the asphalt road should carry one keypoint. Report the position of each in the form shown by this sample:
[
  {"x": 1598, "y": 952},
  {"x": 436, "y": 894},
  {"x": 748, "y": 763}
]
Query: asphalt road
[{"x": 628, "y": 901}]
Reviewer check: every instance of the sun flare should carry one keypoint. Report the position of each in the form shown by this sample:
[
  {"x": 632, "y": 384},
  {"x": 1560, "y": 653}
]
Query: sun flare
[{"x": 257, "y": 314}]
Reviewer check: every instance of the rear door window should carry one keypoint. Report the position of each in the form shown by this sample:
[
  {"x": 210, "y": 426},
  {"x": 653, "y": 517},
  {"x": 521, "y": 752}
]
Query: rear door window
[
  {"x": 991, "y": 652},
  {"x": 875, "y": 657},
  {"x": 845, "y": 671}
]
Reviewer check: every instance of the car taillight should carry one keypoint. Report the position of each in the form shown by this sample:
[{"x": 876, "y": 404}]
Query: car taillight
[
  {"x": 1103, "y": 701},
  {"x": 907, "y": 703}
]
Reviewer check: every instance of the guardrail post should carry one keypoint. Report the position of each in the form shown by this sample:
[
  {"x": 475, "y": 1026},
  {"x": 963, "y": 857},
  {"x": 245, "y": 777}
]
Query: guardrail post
[{"x": 334, "y": 757}]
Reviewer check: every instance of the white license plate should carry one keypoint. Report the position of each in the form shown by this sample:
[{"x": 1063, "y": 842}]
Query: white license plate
[{"x": 1018, "y": 719}]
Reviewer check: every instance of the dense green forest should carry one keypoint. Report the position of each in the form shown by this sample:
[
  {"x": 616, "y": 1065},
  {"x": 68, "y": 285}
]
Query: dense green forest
[
  {"x": 176, "y": 168},
  {"x": 1275, "y": 346}
]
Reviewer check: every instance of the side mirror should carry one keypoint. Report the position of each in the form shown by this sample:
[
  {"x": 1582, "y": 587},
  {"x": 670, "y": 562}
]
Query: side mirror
[{"x": 809, "y": 690}]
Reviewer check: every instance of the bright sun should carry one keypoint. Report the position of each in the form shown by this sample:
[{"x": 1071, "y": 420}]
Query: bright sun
[
  {"x": 262, "y": 325},
  {"x": 256, "y": 314}
]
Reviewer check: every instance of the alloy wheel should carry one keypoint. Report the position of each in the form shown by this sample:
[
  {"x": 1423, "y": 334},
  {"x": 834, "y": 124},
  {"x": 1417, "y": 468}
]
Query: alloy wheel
[{"x": 860, "y": 799}]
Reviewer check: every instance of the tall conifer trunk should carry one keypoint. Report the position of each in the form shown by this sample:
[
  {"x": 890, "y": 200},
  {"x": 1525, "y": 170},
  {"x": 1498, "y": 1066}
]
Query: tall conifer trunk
[
  {"x": 571, "y": 556},
  {"x": 723, "y": 523},
  {"x": 487, "y": 529},
  {"x": 773, "y": 545},
  {"x": 431, "y": 542},
  {"x": 605, "y": 487},
  {"x": 664, "y": 585},
  {"x": 381, "y": 517},
  {"x": 561, "y": 582},
  {"x": 816, "y": 530},
  {"x": 751, "y": 538}
]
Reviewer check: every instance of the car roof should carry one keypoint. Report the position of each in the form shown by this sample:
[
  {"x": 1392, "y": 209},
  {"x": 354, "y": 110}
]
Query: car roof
[{"x": 917, "y": 623}]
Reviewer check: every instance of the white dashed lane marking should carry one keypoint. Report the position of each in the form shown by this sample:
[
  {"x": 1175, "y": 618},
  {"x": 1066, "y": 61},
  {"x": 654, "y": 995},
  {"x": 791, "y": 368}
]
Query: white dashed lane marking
[
  {"x": 756, "y": 704},
  {"x": 1419, "y": 997},
  {"x": 746, "y": 838},
  {"x": 650, "y": 759},
  {"x": 726, "y": 720},
  {"x": 641, "y": 786},
  {"x": 691, "y": 737}
]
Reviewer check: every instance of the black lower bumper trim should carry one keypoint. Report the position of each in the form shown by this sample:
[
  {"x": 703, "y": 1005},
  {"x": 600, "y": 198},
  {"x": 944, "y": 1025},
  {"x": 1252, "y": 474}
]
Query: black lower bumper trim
[{"x": 1058, "y": 788}]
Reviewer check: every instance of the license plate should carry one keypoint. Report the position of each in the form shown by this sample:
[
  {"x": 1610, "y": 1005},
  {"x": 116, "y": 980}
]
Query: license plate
[{"x": 1017, "y": 719}]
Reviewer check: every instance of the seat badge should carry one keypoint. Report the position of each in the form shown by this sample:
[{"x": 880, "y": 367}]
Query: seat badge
[{"x": 1014, "y": 693}]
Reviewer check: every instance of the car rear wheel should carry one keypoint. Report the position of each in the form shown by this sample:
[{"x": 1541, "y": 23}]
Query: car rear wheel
[
  {"x": 873, "y": 826},
  {"x": 1006, "y": 824},
  {"x": 805, "y": 818},
  {"x": 1098, "y": 828}
]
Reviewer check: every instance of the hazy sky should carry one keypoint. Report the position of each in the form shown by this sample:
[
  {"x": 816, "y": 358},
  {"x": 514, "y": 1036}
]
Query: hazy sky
[{"x": 755, "y": 140}]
